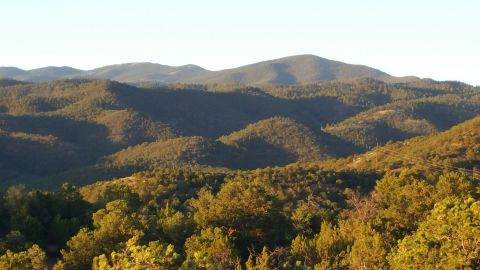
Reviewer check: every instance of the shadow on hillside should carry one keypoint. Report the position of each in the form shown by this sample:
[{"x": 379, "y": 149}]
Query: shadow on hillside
[
  {"x": 33, "y": 153},
  {"x": 444, "y": 116},
  {"x": 256, "y": 154},
  {"x": 90, "y": 136},
  {"x": 215, "y": 114}
]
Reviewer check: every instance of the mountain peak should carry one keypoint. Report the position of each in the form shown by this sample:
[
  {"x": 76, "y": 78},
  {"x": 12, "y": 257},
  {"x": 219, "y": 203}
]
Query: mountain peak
[{"x": 295, "y": 69}]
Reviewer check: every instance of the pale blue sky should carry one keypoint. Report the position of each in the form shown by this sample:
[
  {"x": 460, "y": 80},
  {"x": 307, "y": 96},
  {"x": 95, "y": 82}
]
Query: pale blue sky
[{"x": 437, "y": 39}]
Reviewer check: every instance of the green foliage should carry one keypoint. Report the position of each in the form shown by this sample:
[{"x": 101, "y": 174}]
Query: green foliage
[
  {"x": 212, "y": 249},
  {"x": 139, "y": 257},
  {"x": 261, "y": 261},
  {"x": 298, "y": 217},
  {"x": 248, "y": 211},
  {"x": 458, "y": 185},
  {"x": 331, "y": 246},
  {"x": 404, "y": 119},
  {"x": 310, "y": 213},
  {"x": 447, "y": 239},
  {"x": 84, "y": 130},
  {"x": 369, "y": 249},
  {"x": 45, "y": 218},
  {"x": 180, "y": 150},
  {"x": 182, "y": 213},
  {"x": 33, "y": 258},
  {"x": 119, "y": 192},
  {"x": 431, "y": 154},
  {"x": 295, "y": 140},
  {"x": 112, "y": 226},
  {"x": 404, "y": 201},
  {"x": 176, "y": 226}
]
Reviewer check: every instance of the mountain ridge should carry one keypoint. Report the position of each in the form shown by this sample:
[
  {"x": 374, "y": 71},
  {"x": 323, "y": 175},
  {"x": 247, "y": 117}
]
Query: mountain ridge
[
  {"x": 296, "y": 69},
  {"x": 457, "y": 149}
]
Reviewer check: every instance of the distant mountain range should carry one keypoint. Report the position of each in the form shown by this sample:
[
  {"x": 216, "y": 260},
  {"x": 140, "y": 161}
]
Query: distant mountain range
[{"x": 298, "y": 69}]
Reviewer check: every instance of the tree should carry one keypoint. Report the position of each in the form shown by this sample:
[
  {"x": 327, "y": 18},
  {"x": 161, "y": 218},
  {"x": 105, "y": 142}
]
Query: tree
[
  {"x": 113, "y": 225},
  {"x": 403, "y": 201},
  {"x": 46, "y": 218},
  {"x": 119, "y": 192},
  {"x": 154, "y": 256},
  {"x": 248, "y": 212},
  {"x": 303, "y": 249},
  {"x": 457, "y": 184},
  {"x": 33, "y": 258},
  {"x": 175, "y": 225},
  {"x": 448, "y": 239},
  {"x": 309, "y": 215},
  {"x": 368, "y": 250},
  {"x": 261, "y": 262},
  {"x": 4, "y": 217},
  {"x": 332, "y": 247},
  {"x": 212, "y": 249},
  {"x": 14, "y": 241}
]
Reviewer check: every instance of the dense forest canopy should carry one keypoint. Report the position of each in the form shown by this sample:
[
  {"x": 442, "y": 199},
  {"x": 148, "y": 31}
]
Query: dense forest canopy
[
  {"x": 292, "y": 217},
  {"x": 346, "y": 174}
]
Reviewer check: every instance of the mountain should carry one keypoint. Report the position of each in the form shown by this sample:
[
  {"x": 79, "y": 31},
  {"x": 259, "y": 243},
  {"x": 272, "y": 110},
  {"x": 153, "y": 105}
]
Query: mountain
[
  {"x": 405, "y": 119},
  {"x": 181, "y": 150},
  {"x": 290, "y": 70},
  {"x": 453, "y": 149},
  {"x": 12, "y": 72},
  {"x": 281, "y": 138},
  {"x": 298, "y": 69},
  {"x": 83, "y": 130},
  {"x": 139, "y": 72},
  {"x": 39, "y": 74}
]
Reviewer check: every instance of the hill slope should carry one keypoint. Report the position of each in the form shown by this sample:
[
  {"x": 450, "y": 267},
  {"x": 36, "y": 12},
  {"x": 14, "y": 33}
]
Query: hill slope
[
  {"x": 82, "y": 130},
  {"x": 289, "y": 70},
  {"x": 405, "y": 119},
  {"x": 39, "y": 74},
  {"x": 458, "y": 147},
  {"x": 279, "y": 138},
  {"x": 138, "y": 72},
  {"x": 182, "y": 150}
]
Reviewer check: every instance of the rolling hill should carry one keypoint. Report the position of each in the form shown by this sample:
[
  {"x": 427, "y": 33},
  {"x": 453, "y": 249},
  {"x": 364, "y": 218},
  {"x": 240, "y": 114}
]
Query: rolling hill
[
  {"x": 39, "y": 74},
  {"x": 298, "y": 69},
  {"x": 456, "y": 148},
  {"x": 81, "y": 130},
  {"x": 182, "y": 150},
  {"x": 405, "y": 119},
  {"x": 291, "y": 70},
  {"x": 279, "y": 138},
  {"x": 138, "y": 72}
]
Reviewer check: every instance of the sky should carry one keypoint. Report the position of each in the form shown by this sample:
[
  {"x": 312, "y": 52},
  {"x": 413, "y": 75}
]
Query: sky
[{"x": 432, "y": 39}]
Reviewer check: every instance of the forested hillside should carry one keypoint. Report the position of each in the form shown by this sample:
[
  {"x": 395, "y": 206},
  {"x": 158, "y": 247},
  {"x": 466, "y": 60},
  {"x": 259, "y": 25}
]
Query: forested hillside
[
  {"x": 279, "y": 138},
  {"x": 237, "y": 147},
  {"x": 84, "y": 130},
  {"x": 456, "y": 149},
  {"x": 239, "y": 177},
  {"x": 405, "y": 119},
  {"x": 412, "y": 204},
  {"x": 292, "y": 217}
]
